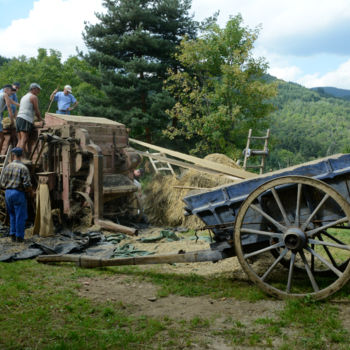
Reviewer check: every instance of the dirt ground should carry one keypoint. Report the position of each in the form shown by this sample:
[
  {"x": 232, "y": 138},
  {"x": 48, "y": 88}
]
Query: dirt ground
[{"x": 140, "y": 298}]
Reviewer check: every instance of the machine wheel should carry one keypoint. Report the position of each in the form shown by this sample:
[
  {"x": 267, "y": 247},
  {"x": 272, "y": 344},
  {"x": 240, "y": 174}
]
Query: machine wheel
[{"x": 307, "y": 225}]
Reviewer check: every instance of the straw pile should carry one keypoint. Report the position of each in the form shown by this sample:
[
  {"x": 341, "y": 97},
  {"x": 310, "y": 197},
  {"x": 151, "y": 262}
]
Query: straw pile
[{"x": 163, "y": 203}]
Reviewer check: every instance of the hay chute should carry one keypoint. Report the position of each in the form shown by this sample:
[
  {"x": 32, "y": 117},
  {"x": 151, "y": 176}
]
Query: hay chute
[{"x": 163, "y": 203}]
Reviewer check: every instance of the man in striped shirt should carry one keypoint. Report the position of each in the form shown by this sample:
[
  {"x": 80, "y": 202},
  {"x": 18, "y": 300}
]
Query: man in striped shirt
[{"x": 16, "y": 181}]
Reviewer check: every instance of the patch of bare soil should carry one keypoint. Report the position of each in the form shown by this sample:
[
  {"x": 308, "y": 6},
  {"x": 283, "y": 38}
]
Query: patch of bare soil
[{"x": 140, "y": 298}]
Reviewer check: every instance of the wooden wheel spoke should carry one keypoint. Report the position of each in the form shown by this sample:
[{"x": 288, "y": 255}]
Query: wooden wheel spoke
[
  {"x": 330, "y": 256},
  {"x": 257, "y": 252},
  {"x": 309, "y": 273},
  {"x": 330, "y": 244},
  {"x": 259, "y": 232},
  {"x": 306, "y": 223},
  {"x": 284, "y": 252},
  {"x": 297, "y": 209},
  {"x": 333, "y": 238},
  {"x": 268, "y": 217},
  {"x": 335, "y": 270},
  {"x": 290, "y": 272},
  {"x": 324, "y": 227},
  {"x": 280, "y": 206}
]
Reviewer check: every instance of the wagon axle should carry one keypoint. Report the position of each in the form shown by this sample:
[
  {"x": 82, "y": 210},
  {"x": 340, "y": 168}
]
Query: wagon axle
[{"x": 295, "y": 239}]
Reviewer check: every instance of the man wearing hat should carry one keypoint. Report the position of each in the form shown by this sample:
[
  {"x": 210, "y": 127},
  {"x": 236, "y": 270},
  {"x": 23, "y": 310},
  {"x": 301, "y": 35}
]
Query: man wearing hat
[
  {"x": 16, "y": 181},
  {"x": 29, "y": 107},
  {"x": 65, "y": 100}
]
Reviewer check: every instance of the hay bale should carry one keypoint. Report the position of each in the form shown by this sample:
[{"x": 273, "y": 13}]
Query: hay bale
[
  {"x": 6, "y": 123},
  {"x": 163, "y": 203},
  {"x": 222, "y": 159}
]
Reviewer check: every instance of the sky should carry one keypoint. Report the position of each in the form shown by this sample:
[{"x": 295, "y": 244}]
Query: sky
[{"x": 303, "y": 41}]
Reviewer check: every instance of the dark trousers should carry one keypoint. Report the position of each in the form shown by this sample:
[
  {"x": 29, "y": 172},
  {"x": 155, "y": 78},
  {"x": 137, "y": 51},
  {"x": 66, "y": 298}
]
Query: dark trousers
[{"x": 16, "y": 204}]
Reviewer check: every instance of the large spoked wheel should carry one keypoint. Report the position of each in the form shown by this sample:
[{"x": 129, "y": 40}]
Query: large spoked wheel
[{"x": 305, "y": 222}]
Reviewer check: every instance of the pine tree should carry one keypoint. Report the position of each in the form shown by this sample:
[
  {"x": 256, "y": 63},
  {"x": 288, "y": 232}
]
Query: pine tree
[{"x": 133, "y": 46}]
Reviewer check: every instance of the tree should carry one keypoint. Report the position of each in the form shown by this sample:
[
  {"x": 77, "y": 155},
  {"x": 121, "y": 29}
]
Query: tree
[
  {"x": 47, "y": 70},
  {"x": 132, "y": 47},
  {"x": 3, "y": 60},
  {"x": 221, "y": 92}
]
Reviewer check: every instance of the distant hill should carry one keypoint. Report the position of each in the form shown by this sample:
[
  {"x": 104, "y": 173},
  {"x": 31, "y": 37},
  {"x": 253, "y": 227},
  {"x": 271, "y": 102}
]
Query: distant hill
[
  {"x": 332, "y": 91},
  {"x": 307, "y": 124}
]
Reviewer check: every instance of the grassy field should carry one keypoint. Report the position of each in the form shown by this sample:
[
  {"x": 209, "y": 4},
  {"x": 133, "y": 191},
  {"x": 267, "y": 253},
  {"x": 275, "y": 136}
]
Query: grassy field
[{"x": 40, "y": 308}]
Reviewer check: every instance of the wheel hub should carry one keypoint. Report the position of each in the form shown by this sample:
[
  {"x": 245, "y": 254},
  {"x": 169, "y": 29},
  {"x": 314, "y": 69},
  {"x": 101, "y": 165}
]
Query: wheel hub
[{"x": 294, "y": 238}]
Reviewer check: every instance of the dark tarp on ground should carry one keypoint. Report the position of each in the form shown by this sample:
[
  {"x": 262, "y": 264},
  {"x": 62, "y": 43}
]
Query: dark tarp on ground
[{"x": 65, "y": 242}]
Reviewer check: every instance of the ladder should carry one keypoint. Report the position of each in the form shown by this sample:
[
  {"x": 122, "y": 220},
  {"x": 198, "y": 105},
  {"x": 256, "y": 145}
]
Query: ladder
[
  {"x": 158, "y": 165},
  {"x": 254, "y": 152},
  {"x": 4, "y": 160}
]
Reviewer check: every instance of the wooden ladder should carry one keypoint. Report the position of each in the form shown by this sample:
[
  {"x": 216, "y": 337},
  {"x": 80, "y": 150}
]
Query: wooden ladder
[
  {"x": 254, "y": 152},
  {"x": 158, "y": 165},
  {"x": 4, "y": 160}
]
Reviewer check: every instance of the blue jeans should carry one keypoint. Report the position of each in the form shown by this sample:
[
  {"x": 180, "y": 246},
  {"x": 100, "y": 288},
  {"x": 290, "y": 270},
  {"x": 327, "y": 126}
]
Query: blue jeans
[{"x": 16, "y": 204}]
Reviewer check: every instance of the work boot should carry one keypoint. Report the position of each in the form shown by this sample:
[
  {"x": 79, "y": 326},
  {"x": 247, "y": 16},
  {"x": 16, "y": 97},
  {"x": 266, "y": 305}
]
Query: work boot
[
  {"x": 13, "y": 238},
  {"x": 19, "y": 239}
]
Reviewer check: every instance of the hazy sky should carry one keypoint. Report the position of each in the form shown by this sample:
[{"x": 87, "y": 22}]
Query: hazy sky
[{"x": 305, "y": 41}]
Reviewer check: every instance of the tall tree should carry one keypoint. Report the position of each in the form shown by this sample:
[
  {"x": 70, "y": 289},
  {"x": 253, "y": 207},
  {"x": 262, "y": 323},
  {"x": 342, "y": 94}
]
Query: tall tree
[
  {"x": 221, "y": 92},
  {"x": 133, "y": 45}
]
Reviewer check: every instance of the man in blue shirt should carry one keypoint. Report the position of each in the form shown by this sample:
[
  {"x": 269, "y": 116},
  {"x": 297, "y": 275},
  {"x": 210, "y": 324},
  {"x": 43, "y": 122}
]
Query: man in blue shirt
[
  {"x": 16, "y": 181},
  {"x": 65, "y": 100}
]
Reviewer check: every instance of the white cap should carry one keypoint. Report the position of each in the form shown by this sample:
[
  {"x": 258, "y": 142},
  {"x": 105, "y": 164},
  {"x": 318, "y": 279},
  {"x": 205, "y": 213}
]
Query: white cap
[
  {"x": 33, "y": 86},
  {"x": 68, "y": 88}
]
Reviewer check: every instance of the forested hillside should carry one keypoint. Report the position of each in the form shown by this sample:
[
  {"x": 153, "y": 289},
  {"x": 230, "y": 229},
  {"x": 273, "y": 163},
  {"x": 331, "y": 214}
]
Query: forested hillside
[
  {"x": 307, "y": 125},
  {"x": 332, "y": 91}
]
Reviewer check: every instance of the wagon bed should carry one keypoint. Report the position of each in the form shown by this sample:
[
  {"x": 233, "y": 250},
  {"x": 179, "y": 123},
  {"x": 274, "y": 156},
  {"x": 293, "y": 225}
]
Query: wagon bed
[{"x": 296, "y": 217}]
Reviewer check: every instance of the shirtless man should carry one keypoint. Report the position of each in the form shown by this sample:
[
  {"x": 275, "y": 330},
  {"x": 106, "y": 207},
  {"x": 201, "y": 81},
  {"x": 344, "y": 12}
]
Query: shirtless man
[{"x": 5, "y": 101}]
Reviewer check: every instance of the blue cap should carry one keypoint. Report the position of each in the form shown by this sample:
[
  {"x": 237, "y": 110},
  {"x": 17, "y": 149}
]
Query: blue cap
[{"x": 17, "y": 151}]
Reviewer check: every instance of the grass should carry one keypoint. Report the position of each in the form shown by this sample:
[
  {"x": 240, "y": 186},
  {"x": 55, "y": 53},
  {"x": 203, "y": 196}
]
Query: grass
[{"x": 41, "y": 309}]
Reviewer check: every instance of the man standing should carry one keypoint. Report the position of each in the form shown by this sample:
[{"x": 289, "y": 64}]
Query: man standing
[
  {"x": 15, "y": 86},
  {"x": 5, "y": 101},
  {"x": 64, "y": 100},
  {"x": 14, "y": 100},
  {"x": 16, "y": 181},
  {"x": 29, "y": 107}
]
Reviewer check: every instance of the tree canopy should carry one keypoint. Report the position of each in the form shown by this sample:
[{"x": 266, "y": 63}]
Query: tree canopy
[
  {"x": 133, "y": 46},
  {"x": 221, "y": 92}
]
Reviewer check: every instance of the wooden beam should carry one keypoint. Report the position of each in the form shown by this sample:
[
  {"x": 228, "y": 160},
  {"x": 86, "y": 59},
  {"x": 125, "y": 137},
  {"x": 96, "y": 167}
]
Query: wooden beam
[
  {"x": 207, "y": 164},
  {"x": 187, "y": 165}
]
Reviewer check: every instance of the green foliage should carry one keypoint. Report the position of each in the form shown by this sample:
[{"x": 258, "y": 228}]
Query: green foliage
[
  {"x": 132, "y": 46},
  {"x": 3, "y": 60},
  {"x": 306, "y": 125},
  {"x": 221, "y": 92},
  {"x": 47, "y": 70}
]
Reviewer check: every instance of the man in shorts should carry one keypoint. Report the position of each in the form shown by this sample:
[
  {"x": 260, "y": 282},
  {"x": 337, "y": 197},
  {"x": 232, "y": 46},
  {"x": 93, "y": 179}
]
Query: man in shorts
[
  {"x": 29, "y": 107},
  {"x": 5, "y": 102}
]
